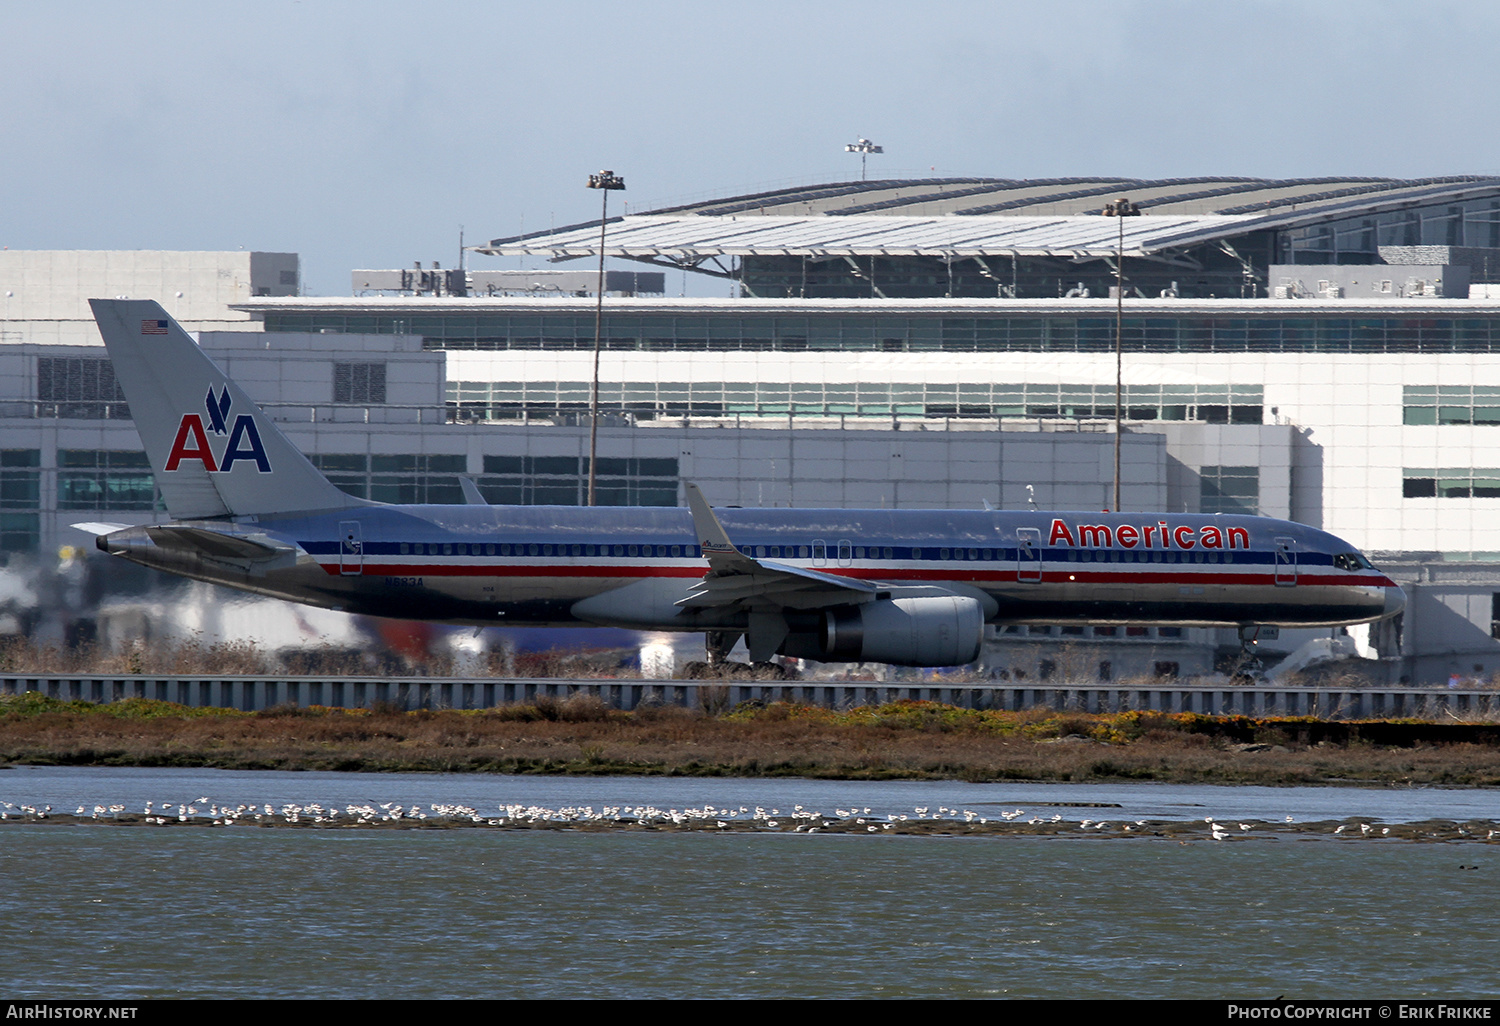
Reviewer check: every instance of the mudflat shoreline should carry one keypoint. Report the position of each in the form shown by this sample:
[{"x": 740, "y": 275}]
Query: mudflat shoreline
[
  {"x": 903, "y": 740},
  {"x": 946, "y": 823}
]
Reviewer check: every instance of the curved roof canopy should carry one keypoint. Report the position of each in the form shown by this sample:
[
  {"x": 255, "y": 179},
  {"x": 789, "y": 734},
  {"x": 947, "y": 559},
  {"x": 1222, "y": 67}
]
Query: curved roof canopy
[{"x": 960, "y": 217}]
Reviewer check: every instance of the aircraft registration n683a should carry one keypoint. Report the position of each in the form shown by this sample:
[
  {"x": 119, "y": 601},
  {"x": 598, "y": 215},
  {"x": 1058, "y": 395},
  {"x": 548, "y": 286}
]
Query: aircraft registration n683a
[{"x": 908, "y": 587}]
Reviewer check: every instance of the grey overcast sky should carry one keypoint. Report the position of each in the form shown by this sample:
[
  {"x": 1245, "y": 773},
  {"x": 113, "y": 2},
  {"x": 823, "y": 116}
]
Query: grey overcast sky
[{"x": 364, "y": 134}]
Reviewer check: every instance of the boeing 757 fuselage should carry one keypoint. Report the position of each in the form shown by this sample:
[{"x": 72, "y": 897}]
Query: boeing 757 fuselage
[{"x": 909, "y": 587}]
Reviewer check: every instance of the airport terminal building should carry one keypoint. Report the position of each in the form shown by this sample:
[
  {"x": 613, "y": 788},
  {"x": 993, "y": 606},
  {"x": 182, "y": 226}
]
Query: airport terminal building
[{"x": 1320, "y": 350}]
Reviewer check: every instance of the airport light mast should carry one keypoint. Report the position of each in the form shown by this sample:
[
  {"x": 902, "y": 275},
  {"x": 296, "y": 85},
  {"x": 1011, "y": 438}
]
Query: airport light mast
[
  {"x": 864, "y": 148},
  {"x": 605, "y": 181},
  {"x": 1119, "y": 209}
]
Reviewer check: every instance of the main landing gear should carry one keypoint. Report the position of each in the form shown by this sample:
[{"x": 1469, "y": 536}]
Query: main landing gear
[{"x": 719, "y": 666}]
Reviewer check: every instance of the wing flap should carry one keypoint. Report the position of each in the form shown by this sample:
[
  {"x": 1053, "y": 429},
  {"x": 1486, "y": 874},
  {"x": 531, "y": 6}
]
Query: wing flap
[{"x": 778, "y": 584}]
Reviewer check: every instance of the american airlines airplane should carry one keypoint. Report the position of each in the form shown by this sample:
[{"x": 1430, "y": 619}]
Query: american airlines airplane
[{"x": 907, "y": 587}]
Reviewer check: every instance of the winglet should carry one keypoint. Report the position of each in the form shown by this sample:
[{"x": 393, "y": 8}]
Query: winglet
[
  {"x": 722, "y": 556},
  {"x": 472, "y": 496}
]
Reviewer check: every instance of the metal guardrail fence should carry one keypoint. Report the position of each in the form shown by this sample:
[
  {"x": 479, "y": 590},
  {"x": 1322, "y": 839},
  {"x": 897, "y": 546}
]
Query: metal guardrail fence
[{"x": 251, "y": 693}]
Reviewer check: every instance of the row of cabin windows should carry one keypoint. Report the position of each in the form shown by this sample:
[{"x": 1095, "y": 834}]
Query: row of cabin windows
[
  {"x": 537, "y": 549},
  {"x": 817, "y": 551}
]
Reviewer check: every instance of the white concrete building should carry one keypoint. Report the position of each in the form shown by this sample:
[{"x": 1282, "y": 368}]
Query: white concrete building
[{"x": 46, "y": 292}]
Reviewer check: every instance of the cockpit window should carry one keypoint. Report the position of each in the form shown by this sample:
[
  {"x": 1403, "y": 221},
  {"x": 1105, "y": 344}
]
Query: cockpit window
[{"x": 1352, "y": 561}]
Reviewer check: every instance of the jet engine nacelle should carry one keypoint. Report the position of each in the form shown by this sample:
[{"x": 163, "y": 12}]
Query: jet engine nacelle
[{"x": 938, "y": 630}]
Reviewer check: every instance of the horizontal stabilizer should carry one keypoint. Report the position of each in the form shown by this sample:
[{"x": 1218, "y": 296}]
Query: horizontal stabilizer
[
  {"x": 211, "y": 543},
  {"x": 98, "y": 529}
]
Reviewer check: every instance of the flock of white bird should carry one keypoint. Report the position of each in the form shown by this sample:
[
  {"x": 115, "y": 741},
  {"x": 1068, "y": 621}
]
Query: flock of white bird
[
  {"x": 205, "y": 810},
  {"x": 799, "y": 819}
]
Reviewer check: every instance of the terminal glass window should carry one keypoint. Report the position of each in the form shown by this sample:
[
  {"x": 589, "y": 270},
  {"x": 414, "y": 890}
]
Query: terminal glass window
[
  {"x": 19, "y": 532},
  {"x": 20, "y": 478},
  {"x": 1477, "y": 405},
  {"x": 349, "y": 472},
  {"x": 359, "y": 383},
  {"x": 645, "y": 400},
  {"x": 104, "y": 479},
  {"x": 1357, "y": 239},
  {"x": 82, "y": 388},
  {"x": 563, "y": 481},
  {"x": 1189, "y": 332},
  {"x": 1229, "y": 490},
  {"x": 1450, "y": 483},
  {"x": 20, "y": 490},
  {"x": 418, "y": 478},
  {"x": 1418, "y": 483}
]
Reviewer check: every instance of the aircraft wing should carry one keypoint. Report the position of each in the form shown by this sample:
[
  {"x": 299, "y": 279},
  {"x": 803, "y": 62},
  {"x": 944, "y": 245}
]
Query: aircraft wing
[
  {"x": 734, "y": 578},
  {"x": 778, "y": 585}
]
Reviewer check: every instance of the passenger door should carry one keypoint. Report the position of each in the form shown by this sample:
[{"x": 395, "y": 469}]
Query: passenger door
[
  {"x": 351, "y": 548},
  {"x": 1286, "y": 562},
  {"x": 1028, "y": 555}
]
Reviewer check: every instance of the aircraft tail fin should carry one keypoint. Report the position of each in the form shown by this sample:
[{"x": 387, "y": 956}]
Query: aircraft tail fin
[{"x": 213, "y": 451}]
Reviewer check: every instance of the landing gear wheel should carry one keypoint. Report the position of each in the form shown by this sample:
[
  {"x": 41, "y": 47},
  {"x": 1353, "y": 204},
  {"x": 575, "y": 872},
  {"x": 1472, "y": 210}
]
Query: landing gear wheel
[
  {"x": 769, "y": 671},
  {"x": 719, "y": 644}
]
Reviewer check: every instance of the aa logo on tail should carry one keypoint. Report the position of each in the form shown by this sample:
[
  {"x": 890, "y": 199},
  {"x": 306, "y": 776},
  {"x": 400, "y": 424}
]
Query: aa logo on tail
[{"x": 192, "y": 443}]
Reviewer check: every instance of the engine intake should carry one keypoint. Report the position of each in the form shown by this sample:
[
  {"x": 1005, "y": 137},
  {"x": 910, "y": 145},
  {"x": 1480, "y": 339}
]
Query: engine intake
[{"x": 941, "y": 630}]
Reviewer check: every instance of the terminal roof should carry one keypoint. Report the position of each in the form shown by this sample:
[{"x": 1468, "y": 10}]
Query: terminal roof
[{"x": 962, "y": 217}]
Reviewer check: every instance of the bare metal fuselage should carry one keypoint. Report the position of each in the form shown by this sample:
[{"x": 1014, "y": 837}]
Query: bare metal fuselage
[
  {"x": 492, "y": 565},
  {"x": 908, "y": 587}
]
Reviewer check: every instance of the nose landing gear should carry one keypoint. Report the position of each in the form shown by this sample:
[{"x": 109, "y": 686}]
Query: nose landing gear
[{"x": 1249, "y": 669}]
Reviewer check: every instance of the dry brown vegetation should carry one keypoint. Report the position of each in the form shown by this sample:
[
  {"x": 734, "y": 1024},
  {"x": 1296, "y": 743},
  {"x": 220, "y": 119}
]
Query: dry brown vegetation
[
  {"x": 20, "y": 655},
  {"x": 902, "y": 740}
]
